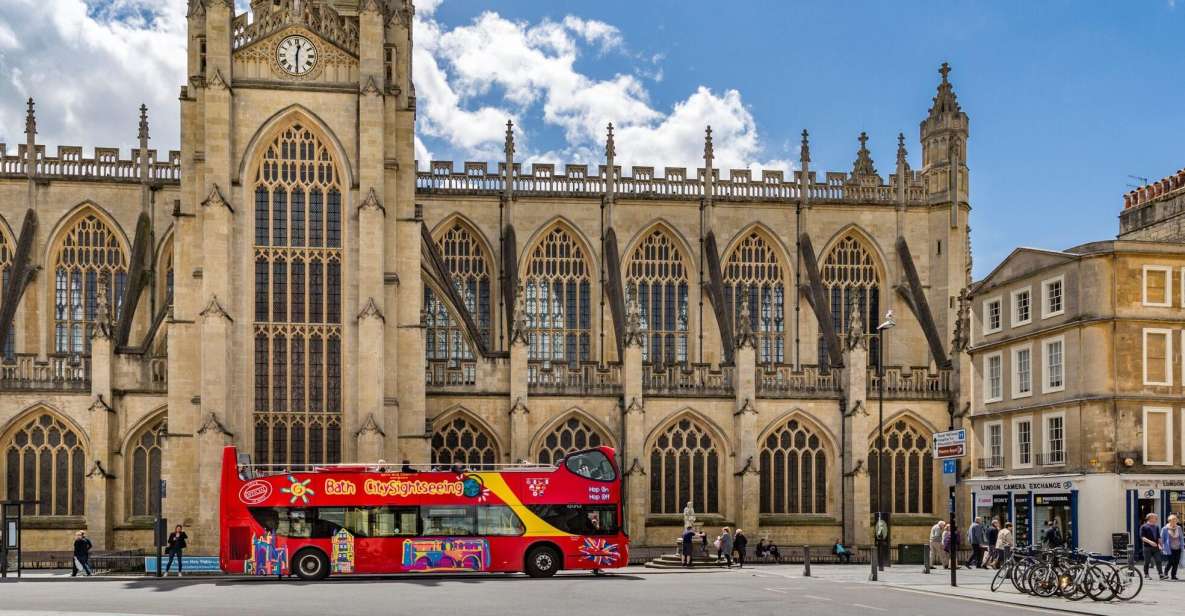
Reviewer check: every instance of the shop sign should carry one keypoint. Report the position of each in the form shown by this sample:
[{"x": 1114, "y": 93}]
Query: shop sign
[
  {"x": 983, "y": 500},
  {"x": 1175, "y": 483},
  {"x": 1051, "y": 499},
  {"x": 1025, "y": 486}
]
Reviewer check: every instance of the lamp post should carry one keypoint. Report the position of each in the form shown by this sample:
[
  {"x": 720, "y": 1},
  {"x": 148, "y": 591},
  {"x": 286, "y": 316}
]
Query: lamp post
[{"x": 880, "y": 435}]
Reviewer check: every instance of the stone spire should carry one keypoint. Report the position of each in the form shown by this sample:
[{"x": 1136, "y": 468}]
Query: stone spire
[
  {"x": 143, "y": 143},
  {"x": 509, "y": 150},
  {"x": 945, "y": 101},
  {"x": 611, "y": 171},
  {"x": 863, "y": 171},
  {"x": 31, "y": 120},
  {"x": 709, "y": 175},
  {"x": 804, "y": 164},
  {"x": 902, "y": 161},
  {"x": 31, "y": 139}
]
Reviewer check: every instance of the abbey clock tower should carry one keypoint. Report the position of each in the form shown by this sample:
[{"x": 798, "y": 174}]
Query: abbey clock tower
[{"x": 296, "y": 328}]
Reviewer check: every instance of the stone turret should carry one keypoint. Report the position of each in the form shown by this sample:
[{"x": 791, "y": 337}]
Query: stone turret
[{"x": 944, "y": 135}]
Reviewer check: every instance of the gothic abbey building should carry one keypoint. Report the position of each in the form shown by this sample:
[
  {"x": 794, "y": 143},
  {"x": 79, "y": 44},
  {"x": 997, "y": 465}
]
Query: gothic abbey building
[{"x": 294, "y": 283}]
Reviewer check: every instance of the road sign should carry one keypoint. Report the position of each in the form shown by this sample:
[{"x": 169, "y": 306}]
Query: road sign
[
  {"x": 951, "y": 444},
  {"x": 948, "y": 467}
]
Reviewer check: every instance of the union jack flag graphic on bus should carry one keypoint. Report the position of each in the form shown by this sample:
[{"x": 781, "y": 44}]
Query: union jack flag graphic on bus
[{"x": 599, "y": 551}]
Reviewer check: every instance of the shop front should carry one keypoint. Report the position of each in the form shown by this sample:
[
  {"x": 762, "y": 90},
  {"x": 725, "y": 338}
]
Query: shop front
[
  {"x": 1032, "y": 503},
  {"x": 1163, "y": 495}
]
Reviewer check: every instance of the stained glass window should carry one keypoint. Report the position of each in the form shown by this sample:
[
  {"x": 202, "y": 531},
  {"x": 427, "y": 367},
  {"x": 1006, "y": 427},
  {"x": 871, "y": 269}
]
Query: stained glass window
[
  {"x": 146, "y": 468},
  {"x": 753, "y": 268},
  {"x": 658, "y": 276},
  {"x": 574, "y": 434},
  {"x": 908, "y": 482},
  {"x": 793, "y": 470},
  {"x": 852, "y": 283},
  {"x": 464, "y": 443},
  {"x": 44, "y": 465},
  {"x": 88, "y": 254},
  {"x": 684, "y": 467},
  {"x": 557, "y": 285}
]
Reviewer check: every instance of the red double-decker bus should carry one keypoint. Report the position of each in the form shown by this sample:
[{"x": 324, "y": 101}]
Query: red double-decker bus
[{"x": 345, "y": 519}]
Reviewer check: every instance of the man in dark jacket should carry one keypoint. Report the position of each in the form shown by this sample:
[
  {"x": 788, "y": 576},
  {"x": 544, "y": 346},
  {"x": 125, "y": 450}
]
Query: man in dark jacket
[
  {"x": 178, "y": 541},
  {"x": 993, "y": 533},
  {"x": 739, "y": 543},
  {"x": 82, "y": 554},
  {"x": 978, "y": 540}
]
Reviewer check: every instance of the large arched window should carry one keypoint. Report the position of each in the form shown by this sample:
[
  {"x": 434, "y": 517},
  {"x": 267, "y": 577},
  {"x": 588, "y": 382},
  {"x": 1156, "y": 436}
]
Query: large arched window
[
  {"x": 852, "y": 282},
  {"x": 298, "y": 255},
  {"x": 89, "y": 254},
  {"x": 145, "y": 458},
  {"x": 657, "y": 274},
  {"x": 44, "y": 463},
  {"x": 753, "y": 268},
  {"x": 468, "y": 264},
  {"x": 908, "y": 483},
  {"x": 684, "y": 466},
  {"x": 573, "y": 434},
  {"x": 6, "y": 249},
  {"x": 558, "y": 292},
  {"x": 460, "y": 442},
  {"x": 793, "y": 470}
]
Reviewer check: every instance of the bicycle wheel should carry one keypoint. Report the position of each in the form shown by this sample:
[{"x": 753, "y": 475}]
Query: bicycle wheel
[
  {"x": 1001, "y": 575},
  {"x": 1020, "y": 576},
  {"x": 1043, "y": 580},
  {"x": 1127, "y": 582},
  {"x": 1098, "y": 582},
  {"x": 1073, "y": 585}
]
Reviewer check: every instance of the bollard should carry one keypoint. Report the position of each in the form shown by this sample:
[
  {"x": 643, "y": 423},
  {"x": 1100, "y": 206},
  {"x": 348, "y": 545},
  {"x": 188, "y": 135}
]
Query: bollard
[
  {"x": 806, "y": 561},
  {"x": 872, "y": 558},
  {"x": 926, "y": 560}
]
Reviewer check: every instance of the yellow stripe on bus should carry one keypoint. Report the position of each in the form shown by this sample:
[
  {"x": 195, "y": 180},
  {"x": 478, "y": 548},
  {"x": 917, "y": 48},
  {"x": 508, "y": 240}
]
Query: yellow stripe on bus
[{"x": 535, "y": 525}]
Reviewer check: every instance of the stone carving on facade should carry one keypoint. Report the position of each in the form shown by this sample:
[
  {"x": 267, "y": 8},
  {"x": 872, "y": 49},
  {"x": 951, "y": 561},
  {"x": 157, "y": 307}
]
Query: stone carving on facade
[
  {"x": 750, "y": 468},
  {"x": 319, "y": 17},
  {"x": 857, "y": 470},
  {"x": 962, "y": 333},
  {"x": 217, "y": 81},
  {"x": 215, "y": 199},
  {"x": 635, "y": 406},
  {"x": 97, "y": 470},
  {"x": 197, "y": 8},
  {"x": 102, "y": 327},
  {"x": 519, "y": 332},
  {"x": 746, "y": 407},
  {"x": 371, "y": 202},
  {"x": 863, "y": 170},
  {"x": 99, "y": 404},
  {"x": 214, "y": 309},
  {"x": 745, "y": 335},
  {"x": 688, "y": 515},
  {"x": 214, "y": 426},
  {"x": 370, "y": 426},
  {"x": 634, "y": 334},
  {"x": 856, "y": 335},
  {"x": 519, "y": 407},
  {"x": 635, "y": 467},
  {"x": 371, "y": 88},
  {"x": 371, "y": 311}
]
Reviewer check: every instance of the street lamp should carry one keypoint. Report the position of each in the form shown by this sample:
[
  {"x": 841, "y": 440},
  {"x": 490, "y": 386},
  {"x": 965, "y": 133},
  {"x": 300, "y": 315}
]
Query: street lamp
[{"x": 889, "y": 323}]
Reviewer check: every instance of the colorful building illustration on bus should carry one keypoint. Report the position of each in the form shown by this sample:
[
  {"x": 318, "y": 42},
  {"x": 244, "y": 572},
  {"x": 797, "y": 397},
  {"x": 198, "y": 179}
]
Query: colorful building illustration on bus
[
  {"x": 266, "y": 557},
  {"x": 343, "y": 552},
  {"x": 425, "y": 555}
]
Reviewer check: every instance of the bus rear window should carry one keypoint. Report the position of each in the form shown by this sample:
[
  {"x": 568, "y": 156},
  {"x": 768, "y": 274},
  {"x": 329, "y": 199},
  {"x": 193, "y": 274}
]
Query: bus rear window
[
  {"x": 591, "y": 465},
  {"x": 579, "y": 519}
]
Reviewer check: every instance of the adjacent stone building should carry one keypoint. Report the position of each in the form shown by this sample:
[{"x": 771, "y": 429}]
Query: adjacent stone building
[
  {"x": 294, "y": 283},
  {"x": 1077, "y": 389}
]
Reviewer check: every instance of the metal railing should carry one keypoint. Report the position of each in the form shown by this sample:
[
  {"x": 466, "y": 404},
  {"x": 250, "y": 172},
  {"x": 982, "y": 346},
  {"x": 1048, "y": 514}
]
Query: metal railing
[
  {"x": 991, "y": 463},
  {"x": 1054, "y": 458}
]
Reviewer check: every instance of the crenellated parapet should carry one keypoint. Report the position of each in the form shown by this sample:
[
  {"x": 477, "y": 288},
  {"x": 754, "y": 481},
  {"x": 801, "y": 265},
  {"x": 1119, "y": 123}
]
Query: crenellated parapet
[
  {"x": 321, "y": 17},
  {"x": 105, "y": 164},
  {"x": 475, "y": 178}
]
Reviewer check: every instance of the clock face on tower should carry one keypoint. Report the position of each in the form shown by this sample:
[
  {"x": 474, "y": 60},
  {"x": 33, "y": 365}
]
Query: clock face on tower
[{"x": 296, "y": 55}]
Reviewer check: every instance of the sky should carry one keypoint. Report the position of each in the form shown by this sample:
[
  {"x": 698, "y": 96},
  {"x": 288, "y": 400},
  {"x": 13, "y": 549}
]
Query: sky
[{"x": 1067, "y": 99}]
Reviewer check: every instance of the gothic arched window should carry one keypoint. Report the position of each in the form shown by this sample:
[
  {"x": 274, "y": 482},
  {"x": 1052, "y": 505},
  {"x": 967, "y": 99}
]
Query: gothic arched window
[
  {"x": 908, "y": 484},
  {"x": 44, "y": 462},
  {"x": 852, "y": 282},
  {"x": 574, "y": 434},
  {"x": 463, "y": 443},
  {"x": 469, "y": 265},
  {"x": 657, "y": 274},
  {"x": 684, "y": 466},
  {"x": 754, "y": 267},
  {"x": 145, "y": 459},
  {"x": 298, "y": 256},
  {"x": 793, "y": 470},
  {"x": 6, "y": 249},
  {"x": 88, "y": 254},
  {"x": 558, "y": 291}
]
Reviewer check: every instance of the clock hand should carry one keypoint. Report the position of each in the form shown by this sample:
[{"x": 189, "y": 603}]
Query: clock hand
[{"x": 296, "y": 63}]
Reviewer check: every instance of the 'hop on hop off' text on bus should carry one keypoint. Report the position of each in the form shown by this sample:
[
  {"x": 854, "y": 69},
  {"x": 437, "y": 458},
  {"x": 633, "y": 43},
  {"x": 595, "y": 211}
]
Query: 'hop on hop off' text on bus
[{"x": 358, "y": 518}]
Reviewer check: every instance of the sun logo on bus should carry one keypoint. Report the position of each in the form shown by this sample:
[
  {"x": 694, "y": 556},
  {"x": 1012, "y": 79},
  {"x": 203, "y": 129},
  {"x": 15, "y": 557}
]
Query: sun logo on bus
[{"x": 298, "y": 489}]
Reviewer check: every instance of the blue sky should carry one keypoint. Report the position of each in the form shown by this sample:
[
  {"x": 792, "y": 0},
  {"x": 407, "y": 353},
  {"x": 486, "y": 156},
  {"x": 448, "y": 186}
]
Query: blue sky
[{"x": 1066, "y": 99}]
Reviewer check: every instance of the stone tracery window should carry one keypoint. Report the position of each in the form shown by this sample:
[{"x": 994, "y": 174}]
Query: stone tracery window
[
  {"x": 658, "y": 276},
  {"x": 298, "y": 256},
  {"x": 908, "y": 483},
  {"x": 753, "y": 267},
  {"x": 852, "y": 282},
  {"x": 145, "y": 456},
  {"x": 558, "y": 285},
  {"x": 469, "y": 265},
  {"x": 793, "y": 470},
  {"x": 465, "y": 443},
  {"x": 574, "y": 434},
  {"x": 684, "y": 466},
  {"x": 89, "y": 254},
  {"x": 44, "y": 462}
]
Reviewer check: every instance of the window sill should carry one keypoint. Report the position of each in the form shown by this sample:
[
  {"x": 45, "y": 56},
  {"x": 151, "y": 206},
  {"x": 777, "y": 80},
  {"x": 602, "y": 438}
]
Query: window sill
[
  {"x": 53, "y": 522},
  {"x": 676, "y": 519},
  {"x": 797, "y": 519}
]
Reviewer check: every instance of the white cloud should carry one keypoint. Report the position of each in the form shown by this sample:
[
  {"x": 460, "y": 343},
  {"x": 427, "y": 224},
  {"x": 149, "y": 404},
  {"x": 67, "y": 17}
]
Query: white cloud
[{"x": 89, "y": 65}]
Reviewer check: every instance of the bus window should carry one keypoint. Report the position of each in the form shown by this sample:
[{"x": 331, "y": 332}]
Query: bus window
[
  {"x": 579, "y": 519},
  {"x": 591, "y": 465},
  {"x": 393, "y": 522},
  {"x": 498, "y": 520},
  {"x": 450, "y": 521}
]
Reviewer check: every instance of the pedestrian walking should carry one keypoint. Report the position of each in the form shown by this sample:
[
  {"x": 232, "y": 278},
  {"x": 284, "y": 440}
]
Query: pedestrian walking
[
  {"x": 1150, "y": 540},
  {"x": 178, "y": 541},
  {"x": 937, "y": 551},
  {"x": 1052, "y": 537},
  {"x": 82, "y": 554},
  {"x": 978, "y": 540},
  {"x": 724, "y": 547},
  {"x": 1170, "y": 546},
  {"x": 950, "y": 542},
  {"x": 739, "y": 543},
  {"x": 688, "y": 538},
  {"x": 1005, "y": 543},
  {"x": 993, "y": 534}
]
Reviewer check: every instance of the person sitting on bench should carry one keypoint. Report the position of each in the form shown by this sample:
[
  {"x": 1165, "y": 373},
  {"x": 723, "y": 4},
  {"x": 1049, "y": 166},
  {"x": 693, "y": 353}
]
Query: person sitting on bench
[{"x": 842, "y": 552}]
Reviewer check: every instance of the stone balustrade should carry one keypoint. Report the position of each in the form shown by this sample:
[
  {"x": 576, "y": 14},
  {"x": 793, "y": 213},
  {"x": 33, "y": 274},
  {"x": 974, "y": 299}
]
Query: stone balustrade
[
  {"x": 783, "y": 381},
  {"x": 106, "y": 164},
  {"x": 450, "y": 375},
  {"x": 688, "y": 380},
  {"x": 913, "y": 382},
  {"x": 66, "y": 373},
  {"x": 583, "y": 378}
]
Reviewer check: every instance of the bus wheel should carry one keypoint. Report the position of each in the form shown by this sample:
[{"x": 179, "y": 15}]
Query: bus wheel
[
  {"x": 310, "y": 565},
  {"x": 542, "y": 561}
]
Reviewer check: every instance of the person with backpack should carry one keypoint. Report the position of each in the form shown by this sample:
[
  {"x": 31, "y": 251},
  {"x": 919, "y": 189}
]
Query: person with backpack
[
  {"x": 1052, "y": 537},
  {"x": 82, "y": 554},
  {"x": 739, "y": 543},
  {"x": 178, "y": 541}
]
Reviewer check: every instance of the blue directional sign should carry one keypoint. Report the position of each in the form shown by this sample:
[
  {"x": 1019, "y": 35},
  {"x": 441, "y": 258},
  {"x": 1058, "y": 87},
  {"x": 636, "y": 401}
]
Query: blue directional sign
[{"x": 948, "y": 467}]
